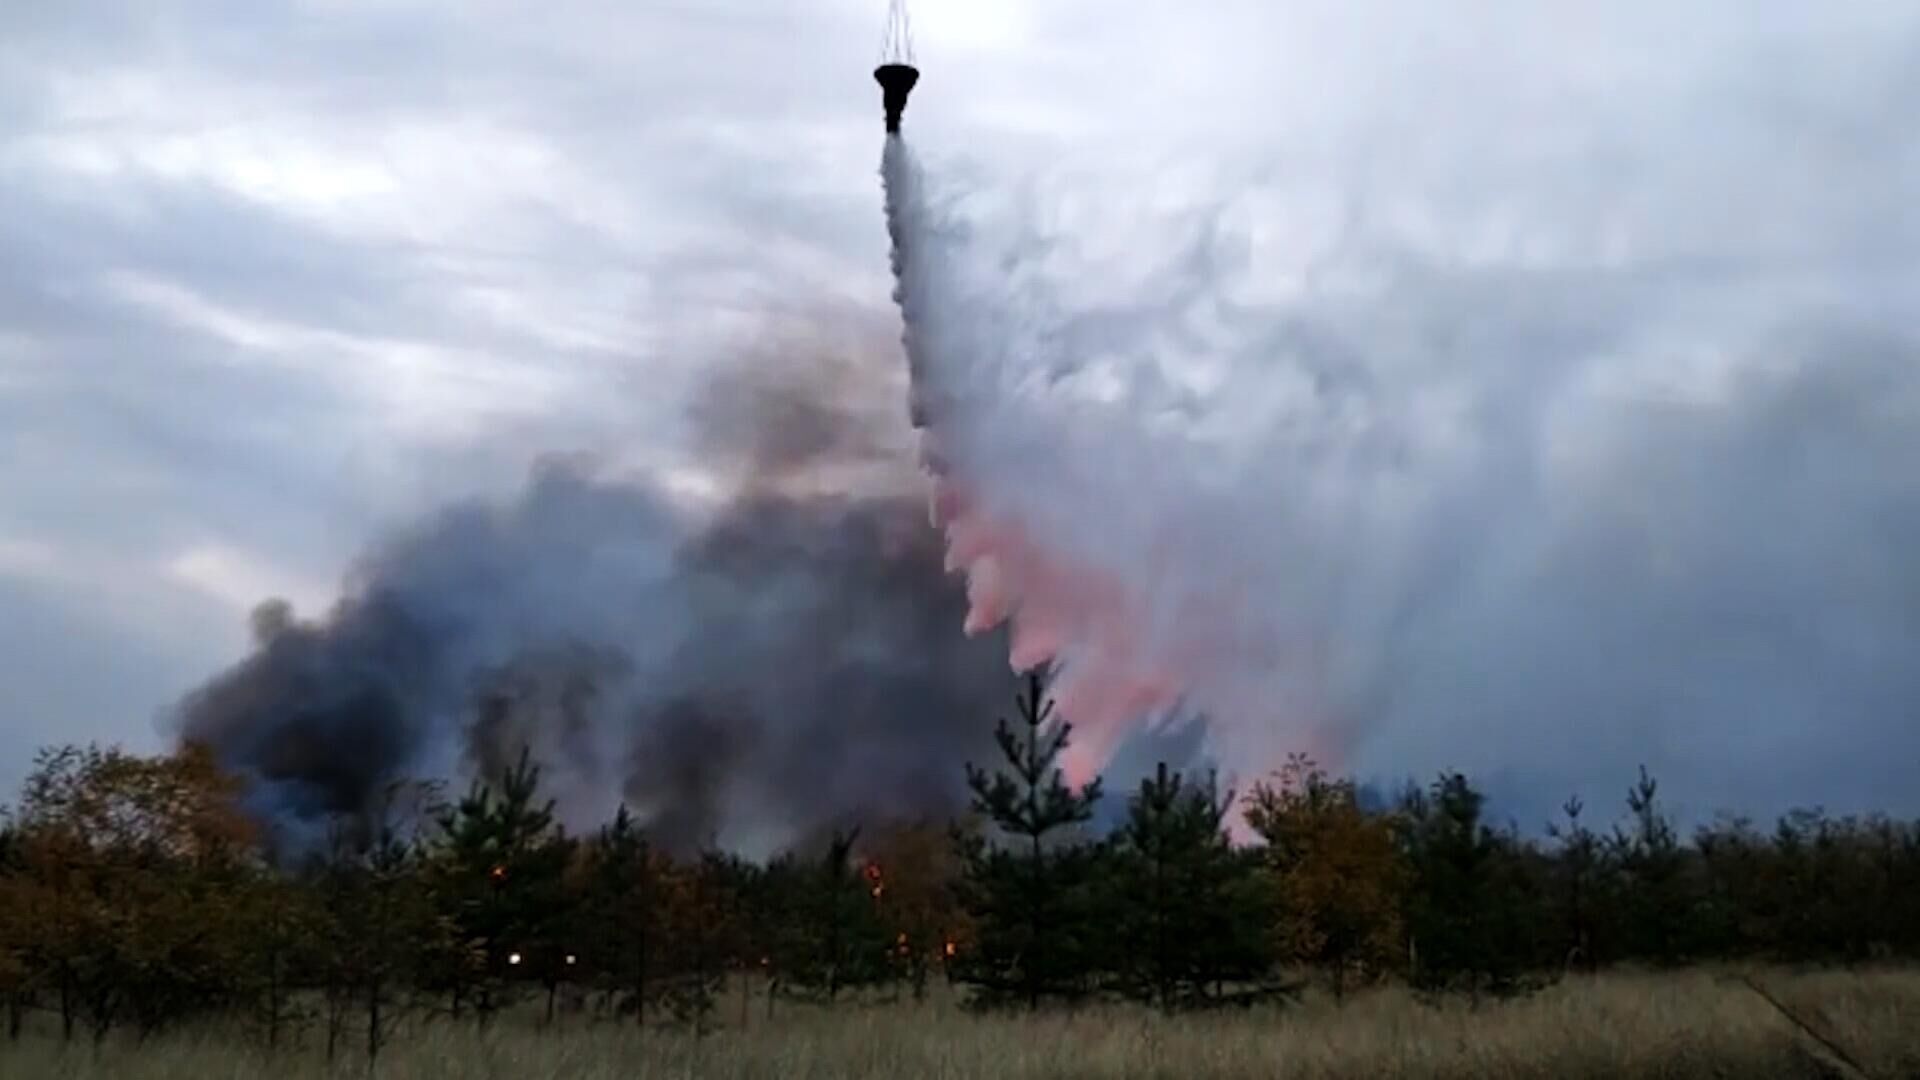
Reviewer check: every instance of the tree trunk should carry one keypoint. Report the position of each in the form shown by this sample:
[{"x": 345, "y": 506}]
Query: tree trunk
[
  {"x": 273, "y": 999},
  {"x": 336, "y": 1020},
  {"x": 1162, "y": 962},
  {"x": 66, "y": 1004},
  {"x": 373, "y": 1024},
  {"x": 1033, "y": 927},
  {"x": 640, "y": 985},
  {"x": 102, "y": 1017}
]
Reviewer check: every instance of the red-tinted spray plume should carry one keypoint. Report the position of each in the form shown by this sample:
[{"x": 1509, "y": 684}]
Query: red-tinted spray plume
[
  {"x": 1127, "y": 652},
  {"x": 1379, "y": 439},
  {"x": 1052, "y": 605}
]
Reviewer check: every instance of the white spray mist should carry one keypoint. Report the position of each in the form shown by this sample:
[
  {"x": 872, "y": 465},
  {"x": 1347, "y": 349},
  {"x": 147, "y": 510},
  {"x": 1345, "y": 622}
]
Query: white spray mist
[{"x": 1526, "y": 475}]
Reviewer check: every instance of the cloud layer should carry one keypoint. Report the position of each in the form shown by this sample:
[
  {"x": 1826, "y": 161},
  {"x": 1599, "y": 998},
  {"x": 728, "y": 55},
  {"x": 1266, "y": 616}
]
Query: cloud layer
[{"x": 1572, "y": 344}]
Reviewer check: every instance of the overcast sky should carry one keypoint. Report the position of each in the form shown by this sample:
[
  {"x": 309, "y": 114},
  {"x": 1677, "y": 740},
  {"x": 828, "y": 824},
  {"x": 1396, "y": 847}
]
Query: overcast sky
[{"x": 274, "y": 276}]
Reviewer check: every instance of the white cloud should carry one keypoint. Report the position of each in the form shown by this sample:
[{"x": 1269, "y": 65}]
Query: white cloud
[
  {"x": 27, "y": 558},
  {"x": 417, "y": 389},
  {"x": 241, "y": 580}
]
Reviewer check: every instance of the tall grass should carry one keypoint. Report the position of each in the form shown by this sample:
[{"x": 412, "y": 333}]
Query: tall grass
[{"x": 1689, "y": 1024}]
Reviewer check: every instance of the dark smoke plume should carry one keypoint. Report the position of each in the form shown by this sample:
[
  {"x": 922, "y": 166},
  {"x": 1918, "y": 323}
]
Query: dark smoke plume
[{"x": 748, "y": 671}]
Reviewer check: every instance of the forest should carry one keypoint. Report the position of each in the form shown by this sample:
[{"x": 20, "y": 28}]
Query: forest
[{"x": 138, "y": 896}]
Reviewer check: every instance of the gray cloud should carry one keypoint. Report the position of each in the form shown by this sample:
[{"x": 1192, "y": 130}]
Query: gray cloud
[
  {"x": 274, "y": 276},
  {"x": 276, "y": 279}
]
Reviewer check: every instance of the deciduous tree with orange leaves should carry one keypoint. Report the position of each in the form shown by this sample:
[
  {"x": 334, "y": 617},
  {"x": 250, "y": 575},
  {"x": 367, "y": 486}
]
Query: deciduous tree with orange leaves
[
  {"x": 1336, "y": 871},
  {"x": 130, "y": 871},
  {"x": 915, "y": 868}
]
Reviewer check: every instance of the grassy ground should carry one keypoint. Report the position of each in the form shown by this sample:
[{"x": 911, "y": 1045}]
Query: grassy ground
[{"x": 1693, "y": 1024}]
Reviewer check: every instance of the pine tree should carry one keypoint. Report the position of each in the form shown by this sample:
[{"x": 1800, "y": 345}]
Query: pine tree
[
  {"x": 501, "y": 865},
  {"x": 740, "y": 890},
  {"x": 391, "y": 912},
  {"x": 1651, "y": 866},
  {"x": 379, "y": 930},
  {"x": 1027, "y": 895},
  {"x": 702, "y": 916},
  {"x": 627, "y": 881},
  {"x": 283, "y": 924},
  {"x": 1578, "y": 869},
  {"x": 781, "y": 932},
  {"x": 1179, "y": 894},
  {"x": 16, "y": 968},
  {"x": 1451, "y": 855},
  {"x": 847, "y": 943}
]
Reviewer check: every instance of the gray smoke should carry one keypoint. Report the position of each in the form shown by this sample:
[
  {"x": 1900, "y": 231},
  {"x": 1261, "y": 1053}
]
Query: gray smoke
[
  {"x": 1541, "y": 457},
  {"x": 748, "y": 670}
]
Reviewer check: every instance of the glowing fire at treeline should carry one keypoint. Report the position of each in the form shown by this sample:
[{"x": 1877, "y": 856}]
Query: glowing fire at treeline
[
  {"x": 110, "y": 861},
  {"x": 870, "y": 872}
]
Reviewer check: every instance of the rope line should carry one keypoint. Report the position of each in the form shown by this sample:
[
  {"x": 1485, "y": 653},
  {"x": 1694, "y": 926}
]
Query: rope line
[{"x": 896, "y": 42}]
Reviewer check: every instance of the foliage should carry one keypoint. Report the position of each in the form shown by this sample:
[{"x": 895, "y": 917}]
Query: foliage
[
  {"x": 1187, "y": 909},
  {"x": 1029, "y": 895},
  {"x": 137, "y": 895},
  {"x": 1335, "y": 871},
  {"x": 910, "y": 869},
  {"x": 619, "y": 929},
  {"x": 500, "y": 864},
  {"x": 845, "y": 944}
]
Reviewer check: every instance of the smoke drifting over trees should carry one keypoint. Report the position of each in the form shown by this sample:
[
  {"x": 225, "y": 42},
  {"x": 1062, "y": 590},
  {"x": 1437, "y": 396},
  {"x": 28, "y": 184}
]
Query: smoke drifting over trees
[
  {"x": 1455, "y": 456},
  {"x": 1519, "y": 475},
  {"x": 752, "y": 669}
]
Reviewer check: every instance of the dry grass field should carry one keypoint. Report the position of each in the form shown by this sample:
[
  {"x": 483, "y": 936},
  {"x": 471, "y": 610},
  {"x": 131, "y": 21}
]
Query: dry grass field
[{"x": 1693, "y": 1024}]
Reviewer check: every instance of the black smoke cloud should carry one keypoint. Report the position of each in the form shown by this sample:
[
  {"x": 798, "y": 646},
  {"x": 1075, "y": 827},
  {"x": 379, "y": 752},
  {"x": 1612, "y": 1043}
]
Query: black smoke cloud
[{"x": 747, "y": 670}]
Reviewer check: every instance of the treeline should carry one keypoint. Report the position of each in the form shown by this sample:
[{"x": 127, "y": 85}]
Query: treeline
[{"x": 136, "y": 894}]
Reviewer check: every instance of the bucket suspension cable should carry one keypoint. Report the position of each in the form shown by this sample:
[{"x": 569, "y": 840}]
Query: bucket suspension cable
[{"x": 896, "y": 47}]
